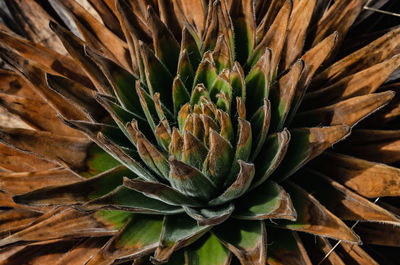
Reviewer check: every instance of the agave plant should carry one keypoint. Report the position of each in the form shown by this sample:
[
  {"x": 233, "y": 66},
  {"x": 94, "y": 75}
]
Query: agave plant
[{"x": 182, "y": 132}]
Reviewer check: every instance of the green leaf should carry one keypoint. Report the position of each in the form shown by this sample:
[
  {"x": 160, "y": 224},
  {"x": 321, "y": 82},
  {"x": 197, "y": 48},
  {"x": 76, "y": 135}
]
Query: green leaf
[
  {"x": 159, "y": 79},
  {"x": 258, "y": 83},
  {"x": 206, "y": 73},
  {"x": 178, "y": 231},
  {"x": 210, "y": 216},
  {"x": 161, "y": 192},
  {"x": 180, "y": 95},
  {"x": 268, "y": 201},
  {"x": 124, "y": 156},
  {"x": 243, "y": 149},
  {"x": 190, "y": 45},
  {"x": 165, "y": 45},
  {"x": 78, "y": 192},
  {"x": 238, "y": 187},
  {"x": 121, "y": 116},
  {"x": 191, "y": 181},
  {"x": 116, "y": 219},
  {"x": 98, "y": 161},
  {"x": 219, "y": 159},
  {"x": 282, "y": 94},
  {"x": 194, "y": 151},
  {"x": 244, "y": 24},
  {"x": 122, "y": 82},
  {"x": 151, "y": 156},
  {"x": 259, "y": 126},
  {"x": 138, "y": 237},
  {"x": 271, "y": 155},
  {"x": 246, "y": 239},
  {"x": 222, "y": 54},
  {"x": 197, "y": 93},
  {"x": 307, "y": 143},
  {"x": 148, "y": 106},
  {"x": 185, "y": 70},
  {"x": 208, "y": 251},
  {"x": 123, "y": 198}
]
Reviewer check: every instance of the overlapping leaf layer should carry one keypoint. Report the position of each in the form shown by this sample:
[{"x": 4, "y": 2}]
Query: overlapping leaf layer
[{"x": 180, "y": 132}]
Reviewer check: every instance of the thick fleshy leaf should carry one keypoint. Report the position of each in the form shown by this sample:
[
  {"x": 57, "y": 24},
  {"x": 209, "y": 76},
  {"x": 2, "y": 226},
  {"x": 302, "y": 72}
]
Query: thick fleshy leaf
[
  {"x": 175, "y": 149},
  {"x": 165, "y": 45},
  {"x": 242, "y": 149},
  {"x": 271, "y": 155},
  {"x": 242, "y": 13},
  {"x": 23, "y": 182},
  {"x": 258, "y": 83},
  {"x": 341, "y": 201},
  {"x": 78, "y": 192},
  {"x": 67, "y": 151},
  {"x": 151, "y": 156},
  {"x": 178, "y": 231},
  {"x": 159, "y": 79},
  {"x": 307, "y": 143},
  {"x": 180, "y": 95},
  {"x": 282, "y": 95},
  {"x": 124, "y": 158},
  {"x": 206, "y": 73},
  {"x": 246, "y": 239},
  {"x": 189, "y": 44},
  {"x": 208, "y": 251},
  {"x": 314, "y": 218},
  {"x": 67, "y": 223},
  {"x": 222, "y": 54},
  {"x": 259, "y": 126},
  {"x": 125, "y": 199},
  {"x": 194, "y": 151},
  {"x": 348, "y": 112},
  {"x": 122, "y": 82},
  {"x": 286, "y": 248},
  {"x": 358, "y": 84},
  {"x": 137, "y": 238},
  {"x": 210, "y": 216},
  {"x": 367, "y": 178},
  {"x": 268, "y": 201},
  {"x": 218, "y": 24},
  {"x": 381, "y": 49},
  {"x": 160, "y": 192},
  {"x": 239, "y": 186},
  {"x": 219, "y": 159},
  {"x": 191, "y": 181}
]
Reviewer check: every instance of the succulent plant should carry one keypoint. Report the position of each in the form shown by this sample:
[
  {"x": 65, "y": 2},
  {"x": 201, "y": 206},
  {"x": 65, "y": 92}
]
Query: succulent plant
[{"x": 197, "y": 132}]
